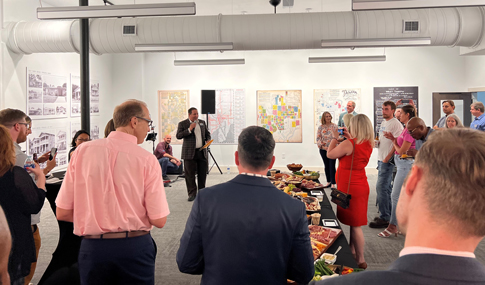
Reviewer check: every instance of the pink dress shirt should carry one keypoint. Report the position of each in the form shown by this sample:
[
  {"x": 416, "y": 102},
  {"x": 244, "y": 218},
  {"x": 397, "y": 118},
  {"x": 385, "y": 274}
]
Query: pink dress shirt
[{"x": 113, "y": 185}]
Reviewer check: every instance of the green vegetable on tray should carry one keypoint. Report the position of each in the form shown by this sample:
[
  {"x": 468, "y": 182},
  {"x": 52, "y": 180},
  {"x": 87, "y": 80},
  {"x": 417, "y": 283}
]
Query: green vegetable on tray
[
  {"x": 297, "y": 173},
  {"x": 322, "y": 269}
]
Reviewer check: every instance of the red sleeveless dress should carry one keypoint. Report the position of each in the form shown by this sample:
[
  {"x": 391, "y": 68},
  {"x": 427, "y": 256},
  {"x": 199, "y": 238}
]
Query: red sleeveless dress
[{"x": 356, "y": 214}]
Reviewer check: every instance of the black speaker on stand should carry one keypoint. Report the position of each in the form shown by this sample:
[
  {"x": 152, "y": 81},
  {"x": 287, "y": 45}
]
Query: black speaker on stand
[{"x": 208, "y": 99}]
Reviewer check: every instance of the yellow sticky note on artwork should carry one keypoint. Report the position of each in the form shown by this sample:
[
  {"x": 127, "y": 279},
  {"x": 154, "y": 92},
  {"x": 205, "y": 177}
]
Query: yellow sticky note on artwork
[
  {"x": 293, "y": 124},
  {"x": 275, "y": 107},
  {"x": 279, "y": 113}
]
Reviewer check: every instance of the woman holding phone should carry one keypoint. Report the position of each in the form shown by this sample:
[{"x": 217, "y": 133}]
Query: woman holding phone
[
  {"x": 401, "y": 145},
  {"x": 354, "y": 154}
]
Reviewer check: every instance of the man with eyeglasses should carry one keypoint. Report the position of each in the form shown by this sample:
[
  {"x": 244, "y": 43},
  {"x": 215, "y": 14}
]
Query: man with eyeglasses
[
  {"x": 113, "y": 194},
  {"x": 195, "y": 134},
  {"x": 20, "y": 126},
  {"x": 418, "y": 130}
]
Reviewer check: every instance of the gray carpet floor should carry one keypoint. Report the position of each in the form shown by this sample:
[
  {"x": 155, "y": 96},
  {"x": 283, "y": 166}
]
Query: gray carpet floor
[{"x": 379, "y": 252}]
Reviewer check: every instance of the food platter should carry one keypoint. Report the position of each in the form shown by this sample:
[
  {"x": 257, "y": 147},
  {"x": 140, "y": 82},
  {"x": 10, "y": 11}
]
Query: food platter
[
  {"x": 322, "y": 235},
  {"x": 311, "y": 185}
]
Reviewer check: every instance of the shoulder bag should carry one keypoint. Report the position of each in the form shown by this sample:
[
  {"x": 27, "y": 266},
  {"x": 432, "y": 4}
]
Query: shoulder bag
[{"x": 338, "y": 197}]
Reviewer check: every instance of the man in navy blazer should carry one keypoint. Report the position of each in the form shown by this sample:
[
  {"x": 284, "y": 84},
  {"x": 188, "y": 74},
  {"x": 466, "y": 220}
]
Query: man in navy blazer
[
  {"x": 441, "y": 211},
  {"x": 246, "y": 231}
]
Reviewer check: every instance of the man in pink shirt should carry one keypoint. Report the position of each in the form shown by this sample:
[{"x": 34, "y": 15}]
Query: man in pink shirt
[{"x": 113, "y": 193}]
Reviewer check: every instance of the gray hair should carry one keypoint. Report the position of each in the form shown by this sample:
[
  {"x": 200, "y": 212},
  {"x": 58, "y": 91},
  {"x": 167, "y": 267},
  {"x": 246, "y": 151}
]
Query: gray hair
[
  {"x": 457, "y": 119},
  {"x": 478, "y": 106},
  {"x": 125, "y": 111}
]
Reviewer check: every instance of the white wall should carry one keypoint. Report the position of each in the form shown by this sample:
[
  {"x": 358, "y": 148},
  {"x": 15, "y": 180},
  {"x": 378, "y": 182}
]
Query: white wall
[
  {"x": 14, "y": 66},
  {"x": 475, "y": 71},
  {"x": 432, "y": 69}
]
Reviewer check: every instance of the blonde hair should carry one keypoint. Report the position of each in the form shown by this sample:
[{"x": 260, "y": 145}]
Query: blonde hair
[
  {"x": 7, "y": 151},
  {"x": 361, "y": 129},
  {"x": 457, "y": 119},
  {"x": 322, "y": 120},
  {"x": 346, "y": 118},
  {"x": 454, "y": 180}
]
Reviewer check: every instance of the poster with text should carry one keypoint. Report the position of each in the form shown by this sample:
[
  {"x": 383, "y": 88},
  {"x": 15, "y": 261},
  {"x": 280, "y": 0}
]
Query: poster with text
[
  {"x": 383, "y": 94},
  {"x": 46, "y": 95},
  {"x": 76, "y": 96},
  {"x": 333, "y": 101},
  {"x": 172, "y": 108},
  {"x": 229, "y": 120},
  {"x": 48, "y": 134},
  {"x": 280, "y": 113}
]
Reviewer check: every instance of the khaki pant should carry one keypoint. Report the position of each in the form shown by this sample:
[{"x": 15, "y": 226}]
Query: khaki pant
[{"x": 37, "y": 242}]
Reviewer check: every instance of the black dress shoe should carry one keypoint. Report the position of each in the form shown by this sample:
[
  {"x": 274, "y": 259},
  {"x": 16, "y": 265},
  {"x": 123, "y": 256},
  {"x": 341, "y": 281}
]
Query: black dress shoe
[
  {"x": 378, "y": 223},
  {"x": 191, "y": 198},
  {"x": 165, "y": 178}
]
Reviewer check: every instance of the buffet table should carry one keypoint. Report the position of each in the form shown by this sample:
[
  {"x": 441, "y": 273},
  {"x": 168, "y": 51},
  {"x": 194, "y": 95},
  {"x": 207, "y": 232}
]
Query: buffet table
[{"x": 344, "y": 256}]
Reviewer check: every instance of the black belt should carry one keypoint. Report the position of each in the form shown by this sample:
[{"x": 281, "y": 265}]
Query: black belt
[{"x": 118, "y": 235}]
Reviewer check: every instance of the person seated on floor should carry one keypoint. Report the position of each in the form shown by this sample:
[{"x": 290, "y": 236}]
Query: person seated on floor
[
  {"x": 165, "y": 157},
  {"x": 441, "y": 212},
  {"x": 226, "y": 238}
]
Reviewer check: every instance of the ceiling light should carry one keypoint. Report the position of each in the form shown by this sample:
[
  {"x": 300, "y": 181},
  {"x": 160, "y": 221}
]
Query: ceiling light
[
  {"x": 183, "y": 47},
  {"x": 141, "y": 10},
  {"x": 396, "y": 42},
  {"x": 412, "y": 4},
  {"x": 346, "y": 59},
  {"x": 210, "y": 62}
]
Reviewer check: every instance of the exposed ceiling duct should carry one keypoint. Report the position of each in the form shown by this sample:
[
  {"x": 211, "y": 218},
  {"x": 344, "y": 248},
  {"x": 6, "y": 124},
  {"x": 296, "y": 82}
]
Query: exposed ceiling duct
[{"x": 463, "y": 27}]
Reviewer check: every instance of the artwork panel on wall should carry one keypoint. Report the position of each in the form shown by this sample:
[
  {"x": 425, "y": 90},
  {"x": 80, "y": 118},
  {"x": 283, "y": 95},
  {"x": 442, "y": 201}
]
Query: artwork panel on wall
[
  {"x": 279, "y": 111},
  {"x": 76, "y": 96},
  {"x": 333, "y": 101},
  {"x": 383, "y": 94},
  {"x": 230, "y": 117},
  {"x": 96, "y": 129},
  {"x": 46, "y": 95},
  {"x": 48, "y": 134},
  {"x": 172, "y": 108}
]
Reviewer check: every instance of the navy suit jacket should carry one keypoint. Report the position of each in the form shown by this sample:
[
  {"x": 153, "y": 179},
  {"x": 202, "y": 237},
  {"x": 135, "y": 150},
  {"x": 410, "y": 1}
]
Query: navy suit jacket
[
  {"x": 246, "y": 231},
  {"x": 419, "y": 269}
]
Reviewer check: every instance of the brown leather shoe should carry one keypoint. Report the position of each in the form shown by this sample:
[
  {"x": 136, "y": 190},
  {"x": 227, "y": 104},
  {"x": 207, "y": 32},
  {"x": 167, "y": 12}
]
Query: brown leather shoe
[{"x": 378, "y": 223}]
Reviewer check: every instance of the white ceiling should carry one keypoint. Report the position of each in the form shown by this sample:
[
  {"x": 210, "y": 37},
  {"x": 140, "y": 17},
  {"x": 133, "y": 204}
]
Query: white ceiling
[{"x": 230, "y": 7}]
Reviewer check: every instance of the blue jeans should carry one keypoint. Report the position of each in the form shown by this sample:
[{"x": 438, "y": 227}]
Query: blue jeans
[
  {"x": 384, "y": 189},
  {"x": 166, "y": 165},
  {"x": 403, "y": 168}
]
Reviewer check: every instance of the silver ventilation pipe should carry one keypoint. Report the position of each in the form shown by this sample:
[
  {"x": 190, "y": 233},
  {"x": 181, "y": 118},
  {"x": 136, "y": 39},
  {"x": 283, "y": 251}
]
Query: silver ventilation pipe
[{"x": 445, "y": 26}]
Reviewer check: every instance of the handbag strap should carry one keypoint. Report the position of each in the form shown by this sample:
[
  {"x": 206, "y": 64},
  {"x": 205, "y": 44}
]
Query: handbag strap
[{"x": 351, "y": 166}]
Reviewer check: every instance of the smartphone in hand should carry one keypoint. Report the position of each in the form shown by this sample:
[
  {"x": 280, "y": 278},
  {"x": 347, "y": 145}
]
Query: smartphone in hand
[
  {"x": 53, "y": 152},
  {"x": 341, "y": 132}
]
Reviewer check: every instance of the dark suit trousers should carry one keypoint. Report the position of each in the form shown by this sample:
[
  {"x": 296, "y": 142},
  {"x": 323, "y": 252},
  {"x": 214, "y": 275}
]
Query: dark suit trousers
[{"x": 197, "y": 165}]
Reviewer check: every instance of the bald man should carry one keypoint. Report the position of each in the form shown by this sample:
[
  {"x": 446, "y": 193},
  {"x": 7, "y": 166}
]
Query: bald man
[
  {"x": 420, "y": 132},
  {"x": 350, "y": 110},
  {"x": 164, "y": 154}
]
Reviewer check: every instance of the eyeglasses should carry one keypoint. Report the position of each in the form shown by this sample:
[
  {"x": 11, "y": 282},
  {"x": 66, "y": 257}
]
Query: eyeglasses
[
  {"x": 26, "y": 125},
  {"x": 411, "y": 132},
  {"x": 84, "y": 140},
  {"x": 150, "y": 122}
]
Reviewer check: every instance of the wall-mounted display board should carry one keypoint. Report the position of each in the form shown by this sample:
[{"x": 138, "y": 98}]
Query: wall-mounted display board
[
  {"x": 230, "y": 117},
  {"x": 46, "y": 95},
  {"x": 48, "y": 134},
  {"x": 96, "y": 132},
  {"x": 172, "y": 108},
  {"x": 280, "y": 113},
  {"x": 383, "y": 94},
  {"x": 76, "y": 96},
  {"x": 333, "y": 101}
]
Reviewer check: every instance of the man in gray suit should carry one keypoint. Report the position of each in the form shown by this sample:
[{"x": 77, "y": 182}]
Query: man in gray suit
[
  {"x": 441, "y": 211},
  {"x": 195, "y": 135}
]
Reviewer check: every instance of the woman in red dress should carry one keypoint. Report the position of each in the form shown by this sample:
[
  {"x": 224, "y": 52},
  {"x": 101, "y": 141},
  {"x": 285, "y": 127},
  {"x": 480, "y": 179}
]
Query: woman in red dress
[{"x": 360, "y": 139}]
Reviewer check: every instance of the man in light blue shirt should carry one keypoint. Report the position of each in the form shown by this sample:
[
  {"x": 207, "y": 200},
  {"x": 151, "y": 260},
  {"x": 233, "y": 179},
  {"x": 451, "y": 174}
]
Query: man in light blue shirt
[
  {"x": 448, "y": 109},
  {"x": 477, "y": 109},
  {"x": 350, "y": 110}
]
